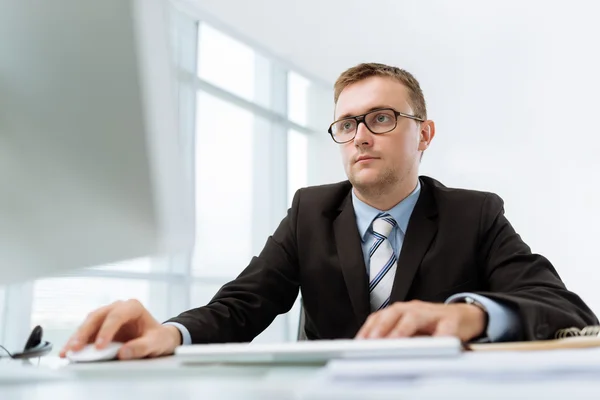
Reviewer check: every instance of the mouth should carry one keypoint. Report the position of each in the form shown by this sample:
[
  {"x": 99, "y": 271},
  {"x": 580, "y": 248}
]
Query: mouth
[{"x": 365, "y": 159}]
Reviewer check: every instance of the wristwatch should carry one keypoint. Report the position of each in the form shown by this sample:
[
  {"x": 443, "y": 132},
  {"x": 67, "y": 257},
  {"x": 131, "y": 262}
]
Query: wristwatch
[{"x": 476, "y": 303}]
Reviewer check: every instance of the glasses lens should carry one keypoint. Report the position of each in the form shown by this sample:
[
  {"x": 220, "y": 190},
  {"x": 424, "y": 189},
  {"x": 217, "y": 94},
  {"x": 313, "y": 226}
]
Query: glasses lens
[
  {"x": 343, "y": 131},
  {"x": 381, "y": 121}
]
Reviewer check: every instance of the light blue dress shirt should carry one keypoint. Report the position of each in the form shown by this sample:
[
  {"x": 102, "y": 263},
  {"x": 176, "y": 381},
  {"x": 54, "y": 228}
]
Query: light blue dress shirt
[
  {"x": 503, "y": 322},
  {"x": 186, "y": 338}
]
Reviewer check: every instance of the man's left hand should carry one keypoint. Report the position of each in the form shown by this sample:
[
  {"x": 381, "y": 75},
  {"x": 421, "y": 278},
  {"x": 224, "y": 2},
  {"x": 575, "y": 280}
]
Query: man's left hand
[{"x": 417, "y": 318}]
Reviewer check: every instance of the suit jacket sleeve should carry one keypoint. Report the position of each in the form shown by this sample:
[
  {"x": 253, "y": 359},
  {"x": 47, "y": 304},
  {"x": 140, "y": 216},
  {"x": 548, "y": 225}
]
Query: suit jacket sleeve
[
  {"x": 526, "y": 282},
  {"x": 244, "y": 307}
]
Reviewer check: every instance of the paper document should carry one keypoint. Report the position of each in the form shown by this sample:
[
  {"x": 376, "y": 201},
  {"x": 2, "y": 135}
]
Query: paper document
[{"x": 473, "y": 365}]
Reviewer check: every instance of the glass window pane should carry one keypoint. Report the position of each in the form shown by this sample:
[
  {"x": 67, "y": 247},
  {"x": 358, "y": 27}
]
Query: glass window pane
[
  {"x": 224, "y": 185},
  {"x": 201, "y": 293},
  {"x": 298, "y": 87},
  {"x": 137, "y": 265},
  {"x": 61, "y": 304},
  {"x": 232, "y": 65},
  {"x": 297, "y": 159}
]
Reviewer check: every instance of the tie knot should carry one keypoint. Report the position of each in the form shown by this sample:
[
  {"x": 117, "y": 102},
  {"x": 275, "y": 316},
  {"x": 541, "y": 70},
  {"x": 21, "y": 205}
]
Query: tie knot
[{"x": 383, "y": 225}]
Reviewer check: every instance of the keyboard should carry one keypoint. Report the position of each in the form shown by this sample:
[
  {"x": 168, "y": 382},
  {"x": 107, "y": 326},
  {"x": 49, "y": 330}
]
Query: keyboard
[{"x": 319, "y": 351}]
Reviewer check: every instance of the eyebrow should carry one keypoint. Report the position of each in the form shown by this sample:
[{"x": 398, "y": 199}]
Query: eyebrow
[{"x": 346, "y": 115}]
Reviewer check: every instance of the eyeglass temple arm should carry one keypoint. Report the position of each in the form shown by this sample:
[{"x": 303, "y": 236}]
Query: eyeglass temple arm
[{"x": 410, "y": 116}]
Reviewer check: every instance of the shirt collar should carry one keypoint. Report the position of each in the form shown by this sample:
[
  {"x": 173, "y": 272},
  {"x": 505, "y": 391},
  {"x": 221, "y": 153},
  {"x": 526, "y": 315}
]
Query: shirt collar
[{"x": 401, "y": 212}]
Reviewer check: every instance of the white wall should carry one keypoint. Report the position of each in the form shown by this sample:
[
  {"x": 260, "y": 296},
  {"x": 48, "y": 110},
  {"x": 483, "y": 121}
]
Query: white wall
[{"x": 515, "y": 115}]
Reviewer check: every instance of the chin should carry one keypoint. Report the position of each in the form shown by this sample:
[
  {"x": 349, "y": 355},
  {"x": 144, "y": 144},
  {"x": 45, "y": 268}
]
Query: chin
[{"x": 365, "y": 177}]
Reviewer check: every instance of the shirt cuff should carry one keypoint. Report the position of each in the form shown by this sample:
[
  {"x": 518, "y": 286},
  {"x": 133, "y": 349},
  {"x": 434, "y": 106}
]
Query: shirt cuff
[
  {"x": 186, "y": 338},
  {"x": 503, "y": 322}
]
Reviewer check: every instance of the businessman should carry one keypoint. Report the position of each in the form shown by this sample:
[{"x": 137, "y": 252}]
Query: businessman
[{"x": 387, "y": 253}]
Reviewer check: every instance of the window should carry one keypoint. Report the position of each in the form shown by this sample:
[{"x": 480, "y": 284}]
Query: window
[
  {"x": 231, "y": 65},
  {"x": 297, "y": 163},
  {"x": 203, "y": 292},
  {"x": 224, "y": 182},
  {"x": 298, "y": 87},
  {"x": 140, "y": 265},
  {"x": 245, "y": 123}
]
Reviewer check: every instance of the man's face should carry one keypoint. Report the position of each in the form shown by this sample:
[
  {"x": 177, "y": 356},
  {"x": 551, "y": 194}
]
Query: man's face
[{"x": 374, "y": 162}]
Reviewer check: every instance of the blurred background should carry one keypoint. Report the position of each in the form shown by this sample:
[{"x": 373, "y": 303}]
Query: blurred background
[{"x": 512, "y": 86}]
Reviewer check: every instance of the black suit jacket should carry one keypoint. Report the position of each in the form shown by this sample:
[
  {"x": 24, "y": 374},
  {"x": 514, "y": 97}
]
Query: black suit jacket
[{"x": 456, "y": 241}]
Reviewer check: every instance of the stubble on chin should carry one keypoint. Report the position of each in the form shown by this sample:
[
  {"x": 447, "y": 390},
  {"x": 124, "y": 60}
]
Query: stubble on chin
[{"x": 373, "y": 186}]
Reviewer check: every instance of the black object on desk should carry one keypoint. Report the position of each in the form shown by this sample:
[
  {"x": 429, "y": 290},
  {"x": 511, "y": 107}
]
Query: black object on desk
[{"x": 34, "y": 347}]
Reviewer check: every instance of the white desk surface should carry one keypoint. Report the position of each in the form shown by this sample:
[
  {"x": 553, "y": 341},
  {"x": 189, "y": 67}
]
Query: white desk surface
[{"x": 165, "y": 378}]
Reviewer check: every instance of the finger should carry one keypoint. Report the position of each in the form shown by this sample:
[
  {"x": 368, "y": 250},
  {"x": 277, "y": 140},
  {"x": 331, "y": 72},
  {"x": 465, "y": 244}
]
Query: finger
[
  {"x": 115, "y": 319},
  {"x": 407, "y": 326},
  {"x": 387, "y": 320},
  {"x": 447, "y": 327},
  {"x": 72, "y": 343},
  {"x": 66, "y": 348},
  {"x": 148, "y": 345},
  {"x": 365, "y": 330},
  {"x": 86, "y": 331},
  {"x": 136, "y": 348}
]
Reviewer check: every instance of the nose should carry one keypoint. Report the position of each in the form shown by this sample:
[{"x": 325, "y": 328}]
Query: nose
[{"x": 363, "y": 137}]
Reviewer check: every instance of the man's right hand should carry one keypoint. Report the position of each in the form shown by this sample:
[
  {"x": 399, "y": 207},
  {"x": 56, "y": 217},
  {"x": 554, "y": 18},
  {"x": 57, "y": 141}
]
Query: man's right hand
[{"x": 127, "y": 322}]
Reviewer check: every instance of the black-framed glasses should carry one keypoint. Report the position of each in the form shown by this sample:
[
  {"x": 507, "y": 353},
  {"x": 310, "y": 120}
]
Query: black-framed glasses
[{"x": 381, "y": 120}]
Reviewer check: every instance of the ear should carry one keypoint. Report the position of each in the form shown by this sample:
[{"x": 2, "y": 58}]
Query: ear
[{"x": 426, "y": 135}]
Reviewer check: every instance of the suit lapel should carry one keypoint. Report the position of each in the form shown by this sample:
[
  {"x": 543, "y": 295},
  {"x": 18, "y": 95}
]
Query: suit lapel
[
  {"x": 421, "y": 230},
  {"x": 349, "y": 250}
]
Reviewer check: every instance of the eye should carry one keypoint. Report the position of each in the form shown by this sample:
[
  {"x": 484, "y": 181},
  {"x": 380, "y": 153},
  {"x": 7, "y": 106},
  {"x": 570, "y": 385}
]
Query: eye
[
  {"x": 347, "y": 125},
  {"x": 382, "y": 118}
]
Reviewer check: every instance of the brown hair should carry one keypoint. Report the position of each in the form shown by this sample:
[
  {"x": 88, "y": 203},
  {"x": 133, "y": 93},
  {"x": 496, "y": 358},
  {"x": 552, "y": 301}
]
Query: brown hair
[{"x": 367, "y": 70}]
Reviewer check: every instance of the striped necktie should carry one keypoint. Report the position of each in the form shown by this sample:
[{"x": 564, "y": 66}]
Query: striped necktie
[{"x": 382, "y": 267}]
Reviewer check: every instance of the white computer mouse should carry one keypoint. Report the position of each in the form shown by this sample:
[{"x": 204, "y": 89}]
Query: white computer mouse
[{"x": 90, "y": 353}]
